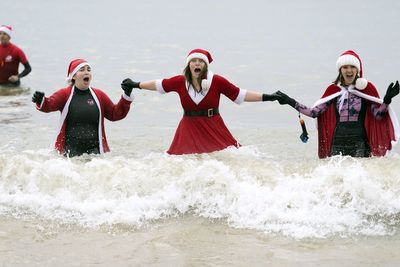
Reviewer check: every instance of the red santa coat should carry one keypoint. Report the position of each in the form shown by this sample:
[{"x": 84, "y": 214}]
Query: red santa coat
[
  {"x": 201, "y": 134},
  {"x": 381, "y": 134},
  {"x": 61, "y": 100},
  {"x": 10, "y": 57}
]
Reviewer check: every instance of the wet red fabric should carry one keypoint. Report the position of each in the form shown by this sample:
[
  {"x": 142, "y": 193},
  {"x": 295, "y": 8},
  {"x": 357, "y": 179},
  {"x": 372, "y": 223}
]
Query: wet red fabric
[
  {"x": 10, "y": 57},
  {"x": 201, "y": 134},
  {"x": 109, "y": 110},
  {"x": 380, "y": 133}
]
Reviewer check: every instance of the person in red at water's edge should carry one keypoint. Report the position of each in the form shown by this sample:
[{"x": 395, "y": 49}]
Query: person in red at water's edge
[
  {"x": 83, "y": 109},
  {"x": 10, "y": 57},
  {"x": 352, "y": 119},
  {"x": 201, "y": 129}
]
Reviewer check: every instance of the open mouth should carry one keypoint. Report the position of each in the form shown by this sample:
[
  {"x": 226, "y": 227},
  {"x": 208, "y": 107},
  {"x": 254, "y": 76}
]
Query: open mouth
[
  {"x": 86, "y": 79},
  {"x": 197, "y": 70}
]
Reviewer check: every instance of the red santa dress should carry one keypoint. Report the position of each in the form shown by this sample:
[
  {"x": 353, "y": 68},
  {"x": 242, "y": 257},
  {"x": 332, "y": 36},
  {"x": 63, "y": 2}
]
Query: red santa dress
[
  {"x": 60, "y": 101},
  {"x": 382, "y": 134},
  {"x": 201, "y": 134}
]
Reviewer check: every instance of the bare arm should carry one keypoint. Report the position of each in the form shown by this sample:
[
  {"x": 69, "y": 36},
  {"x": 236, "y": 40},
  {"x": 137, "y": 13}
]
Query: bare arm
[
  {"x": 252, "y": 96},
  {"x": 148, "y": 85}
]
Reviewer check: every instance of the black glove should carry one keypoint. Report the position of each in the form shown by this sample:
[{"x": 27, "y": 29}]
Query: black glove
[
  {"x": 127, "y": 85},
  {"x": 391, "y": 92},
  {"x": 37, "y": 97},
  {"x": 284, "y": 99},
  {"x": 271, "y": 97}
]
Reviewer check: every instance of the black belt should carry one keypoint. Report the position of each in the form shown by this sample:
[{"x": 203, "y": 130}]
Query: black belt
[{"x": 204, "y": 113}]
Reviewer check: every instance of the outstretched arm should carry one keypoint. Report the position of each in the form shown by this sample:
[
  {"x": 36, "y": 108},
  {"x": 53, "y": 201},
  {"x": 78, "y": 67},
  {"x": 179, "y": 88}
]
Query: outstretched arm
[
  {"x": 391, "y": 92},
  {"x": 115, "y": 112},
  {"x": 48, "y": 104},
  {"x": 128, "y": 84},
  {"x": 313, "y": 112},
  {"x": 252, "y": 96},
  {"x": 380, "y": 111},
  {"x": 148, "y": 85}
]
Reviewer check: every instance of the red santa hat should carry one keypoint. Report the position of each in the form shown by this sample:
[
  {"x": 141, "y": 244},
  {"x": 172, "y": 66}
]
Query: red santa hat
[
  {"x": 350, "y": 57},
  {"x": 199, "y": 53},
  {"x": 74, "y": 66},
  {"x": 6, "y": 29}
]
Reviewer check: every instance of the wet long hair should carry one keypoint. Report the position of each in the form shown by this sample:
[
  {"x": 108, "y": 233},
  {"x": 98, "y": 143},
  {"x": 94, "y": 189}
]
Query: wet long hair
[
  {"x": 340, "y": 78},
  {"x": 189, "y": 78}
]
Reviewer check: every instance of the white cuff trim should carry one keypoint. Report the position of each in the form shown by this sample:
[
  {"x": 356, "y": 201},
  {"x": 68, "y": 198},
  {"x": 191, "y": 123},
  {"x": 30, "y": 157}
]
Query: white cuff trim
[
  {"x": 128, "y": 98},
  {"x": 41, "y": 104},
  {"x": 159, "y": 86},
  {"x": 241, "y": 96}
]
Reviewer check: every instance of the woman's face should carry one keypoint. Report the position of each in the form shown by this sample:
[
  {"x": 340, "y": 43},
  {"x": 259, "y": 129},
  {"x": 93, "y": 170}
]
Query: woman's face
[
  {"x": 4, "y": 38},
  {"x": 83, "y": 77},
  {"x": 349, "y": 73},
  {"x": 196, "y": 66}
]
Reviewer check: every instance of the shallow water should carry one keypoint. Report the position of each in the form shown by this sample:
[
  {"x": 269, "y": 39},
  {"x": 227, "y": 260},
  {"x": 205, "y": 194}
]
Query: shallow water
[
  {"x": 186, "y": 241},
  {"x": 245, "y": 188}
]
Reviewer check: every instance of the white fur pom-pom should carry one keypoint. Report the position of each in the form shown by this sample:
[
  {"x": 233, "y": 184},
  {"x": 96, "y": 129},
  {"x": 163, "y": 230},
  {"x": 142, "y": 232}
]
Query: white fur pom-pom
[
  {"x": 205, "y": 85},
  {"x": 68, "y": 80},
  {"x": 361, "y": 83}
]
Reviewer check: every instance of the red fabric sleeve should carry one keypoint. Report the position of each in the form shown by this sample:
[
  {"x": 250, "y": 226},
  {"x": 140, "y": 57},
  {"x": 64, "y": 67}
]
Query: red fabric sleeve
[
  {"x": 113, "y": 112},
  {"x": 21, "y": 56},
  {"x": 380, "y": 133},
  {"x": 227, "y": 88},
  {"x": 173, "y": 83},
  {"x": 56, "y": 101}
]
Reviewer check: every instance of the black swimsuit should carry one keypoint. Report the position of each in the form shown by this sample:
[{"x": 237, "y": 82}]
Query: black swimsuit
[
  {"x": 350, "y": 137},
  {"x": 82, "y": 129}
]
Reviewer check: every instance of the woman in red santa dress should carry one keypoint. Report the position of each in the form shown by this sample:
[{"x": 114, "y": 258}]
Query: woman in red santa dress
[
  {"x": 202, "y": 128},
  {"x": 83, "y": 109},
  {"x": 352, "y": 119}
]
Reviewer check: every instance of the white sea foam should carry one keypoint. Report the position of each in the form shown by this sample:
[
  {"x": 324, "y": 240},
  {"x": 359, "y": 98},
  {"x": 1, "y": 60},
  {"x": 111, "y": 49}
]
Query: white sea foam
[{"x": 244, "y": 187}]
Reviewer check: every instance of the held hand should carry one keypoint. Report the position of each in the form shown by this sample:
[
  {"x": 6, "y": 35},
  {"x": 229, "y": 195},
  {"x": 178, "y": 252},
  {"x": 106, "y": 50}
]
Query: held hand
[
  {"x": 270, "y": 97},
  {"x": 37, "y": 97},
  {"x": 127, "y": 85},
  {"x": 391, "y": 92},
  {"x": 284, "y": 99},
  {"x": 13, "y": 78}
]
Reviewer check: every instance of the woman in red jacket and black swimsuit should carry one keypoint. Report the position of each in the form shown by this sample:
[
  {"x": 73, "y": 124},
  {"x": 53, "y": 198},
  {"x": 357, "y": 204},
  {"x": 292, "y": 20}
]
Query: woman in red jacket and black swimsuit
[{"x": 83, "y": 109}]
